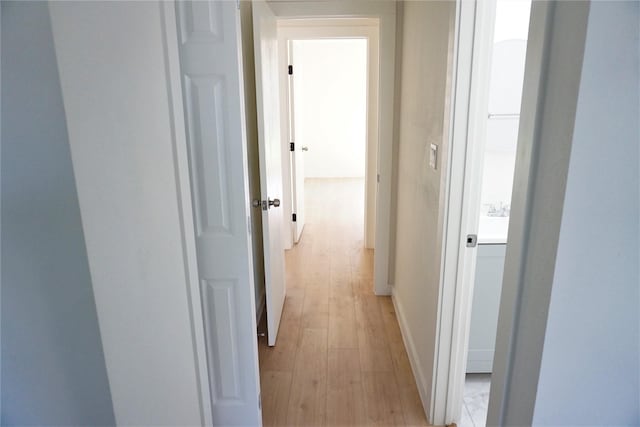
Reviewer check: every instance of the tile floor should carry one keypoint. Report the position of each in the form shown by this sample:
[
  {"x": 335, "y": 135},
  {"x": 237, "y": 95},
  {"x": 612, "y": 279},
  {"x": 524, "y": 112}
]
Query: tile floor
[{"x": 476, "y": 400}]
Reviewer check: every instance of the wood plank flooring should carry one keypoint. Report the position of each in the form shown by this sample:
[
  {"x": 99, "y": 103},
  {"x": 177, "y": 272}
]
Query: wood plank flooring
[{"x": 339, "y": 359}]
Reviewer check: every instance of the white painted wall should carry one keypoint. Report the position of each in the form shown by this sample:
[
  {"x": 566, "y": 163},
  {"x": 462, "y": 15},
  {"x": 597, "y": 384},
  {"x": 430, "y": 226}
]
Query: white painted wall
[
  {"x": 511, "y": 20},
  {"x": 505, "y": 96},
  {"x": 53, "y": 367},
  {"x": 427, "y": 41},
  {"x": 505, "y": 92},
  {"x": 590, "y": 370},
  {"x": 330, "y": 106},
  {"x": 116, "y": 90}
]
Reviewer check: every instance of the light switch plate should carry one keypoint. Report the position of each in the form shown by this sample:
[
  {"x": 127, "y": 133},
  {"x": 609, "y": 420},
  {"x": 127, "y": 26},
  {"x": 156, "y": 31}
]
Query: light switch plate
[{"x": 433, "y": 157}]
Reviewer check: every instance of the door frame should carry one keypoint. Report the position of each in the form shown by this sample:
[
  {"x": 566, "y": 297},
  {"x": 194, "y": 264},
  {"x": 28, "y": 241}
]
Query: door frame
[
  {"x": 456, "y": 285},
  {"x": 472, "y": 52},
  {"x": 290, "y": 30},
  {"x": 385, "y": 13}
]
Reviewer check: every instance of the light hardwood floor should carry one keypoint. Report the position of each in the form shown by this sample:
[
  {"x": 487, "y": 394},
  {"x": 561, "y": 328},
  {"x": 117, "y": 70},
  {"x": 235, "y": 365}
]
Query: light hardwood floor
[{"x": 339, "y": 359}]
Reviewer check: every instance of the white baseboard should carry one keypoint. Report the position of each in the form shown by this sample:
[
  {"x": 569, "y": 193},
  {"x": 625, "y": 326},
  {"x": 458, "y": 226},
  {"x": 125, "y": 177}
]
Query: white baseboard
[{"x": 413, "y": 357}]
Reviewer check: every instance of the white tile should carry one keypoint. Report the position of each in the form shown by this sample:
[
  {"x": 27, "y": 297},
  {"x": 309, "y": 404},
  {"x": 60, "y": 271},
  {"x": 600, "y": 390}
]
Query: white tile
[
  {"x": 475, "y": 384},
  {"x": 477, "y": 406},
  {"x": 476, "y": 397},
  {"x": 465, "y": 418}
]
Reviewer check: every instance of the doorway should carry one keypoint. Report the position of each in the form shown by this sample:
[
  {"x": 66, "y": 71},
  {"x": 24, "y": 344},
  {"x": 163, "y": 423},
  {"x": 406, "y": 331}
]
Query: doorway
[
  {"x": 339, "y": 149},
  {"x": 492, "y": 45},
  {"x": 328, "y": 122},
  {"x": 506, "y": 77}
]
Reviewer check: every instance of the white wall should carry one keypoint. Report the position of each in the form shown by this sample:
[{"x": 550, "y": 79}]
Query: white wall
[
  {"x": 590, "y": 370},
  {"x": 427, "y": 40},
  {"x": 330, "y": 106},
  {"x": 53, "y": 366},
  {"x": 505, "y": 96},
  {"x": 116, "y": 91},
  {"x": 505, "y": 91}
]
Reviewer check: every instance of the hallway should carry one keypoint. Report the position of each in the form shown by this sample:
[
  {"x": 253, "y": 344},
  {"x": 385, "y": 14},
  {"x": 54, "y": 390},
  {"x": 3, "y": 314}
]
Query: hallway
[{"x": 339, "y": 358}]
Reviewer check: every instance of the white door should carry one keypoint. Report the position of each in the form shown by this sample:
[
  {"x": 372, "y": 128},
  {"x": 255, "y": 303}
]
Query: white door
[
  {"x": 267, "y": 92},
  {"x": 209, "y": 45},
  {"x": 297, "y": 155}
]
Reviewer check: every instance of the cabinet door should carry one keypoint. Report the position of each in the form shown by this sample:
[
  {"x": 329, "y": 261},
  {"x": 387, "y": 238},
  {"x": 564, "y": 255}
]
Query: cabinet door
[{"x": 486, "y": 304}]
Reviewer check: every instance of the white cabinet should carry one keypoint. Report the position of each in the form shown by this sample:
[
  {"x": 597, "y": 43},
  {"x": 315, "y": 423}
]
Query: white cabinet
[{"x": 484, "y": 311}]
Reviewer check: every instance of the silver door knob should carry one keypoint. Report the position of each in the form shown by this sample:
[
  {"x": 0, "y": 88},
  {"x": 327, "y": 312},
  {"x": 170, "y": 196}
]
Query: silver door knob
[
  {"x": 305, "y": 148},
  {"x": 275, "y": 202}
]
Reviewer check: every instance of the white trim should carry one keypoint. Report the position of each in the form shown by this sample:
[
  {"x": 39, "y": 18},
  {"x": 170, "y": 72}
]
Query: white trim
[
  {"x": 183, "y": 185},
  {"x": 385, "y": 12},
  {"x": 474, "y": 34},
  {"x": 414, "y": 359}
]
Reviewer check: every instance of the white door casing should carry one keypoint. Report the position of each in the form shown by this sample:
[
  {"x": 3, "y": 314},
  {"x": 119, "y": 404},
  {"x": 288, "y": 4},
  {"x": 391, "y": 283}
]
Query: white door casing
[
  {"x": 473, "y": 43},
  {"x": 209, "y": 44},
  {"x": 297, "y": 154},
  {"x": 268, "y": 107}
]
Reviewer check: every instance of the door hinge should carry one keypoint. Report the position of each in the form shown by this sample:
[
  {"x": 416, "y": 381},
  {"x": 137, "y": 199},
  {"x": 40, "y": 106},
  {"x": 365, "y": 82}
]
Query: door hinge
[
  {"x": 290, "y": 70},
  {"x": 292, "y": 146},
  {"x": 238, "y": 4},
  {"x": 294, "y": 217}
]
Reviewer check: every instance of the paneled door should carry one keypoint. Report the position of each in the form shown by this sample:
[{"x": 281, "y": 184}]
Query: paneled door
[
  {"x": 265, "y": 34},
  {"x": 209, "y": 44}
]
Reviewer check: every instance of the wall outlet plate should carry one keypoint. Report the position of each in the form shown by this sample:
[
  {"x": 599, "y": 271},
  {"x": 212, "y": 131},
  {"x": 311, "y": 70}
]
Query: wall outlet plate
[{"x": 433, "y": 156}]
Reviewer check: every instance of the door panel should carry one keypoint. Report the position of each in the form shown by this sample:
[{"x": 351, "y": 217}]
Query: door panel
[
  {"x": 208, "y": 33},
  {"x": 267, "y": 98}
]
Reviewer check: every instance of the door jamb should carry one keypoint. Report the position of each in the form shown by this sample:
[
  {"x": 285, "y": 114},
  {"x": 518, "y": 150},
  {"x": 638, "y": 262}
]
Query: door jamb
[{"x": 473, "y": 43}]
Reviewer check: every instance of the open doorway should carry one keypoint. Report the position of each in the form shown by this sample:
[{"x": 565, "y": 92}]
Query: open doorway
[
  {"x": 327, "y": 104},
  {"x": 500, "y": 135},
  {"x": 328, "y": 122},
  {"x": 331, "y": 118}
]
